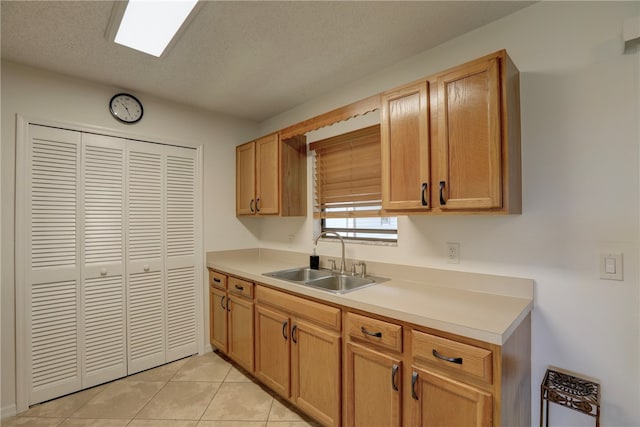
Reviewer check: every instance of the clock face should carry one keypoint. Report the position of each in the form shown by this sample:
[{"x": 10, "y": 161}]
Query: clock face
[{"x": 126, "y": 108}]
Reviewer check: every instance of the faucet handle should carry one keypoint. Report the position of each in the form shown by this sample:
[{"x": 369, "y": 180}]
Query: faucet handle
[
  {"x": 363, "y": 272},
  {"x": 333, "y": 263}
]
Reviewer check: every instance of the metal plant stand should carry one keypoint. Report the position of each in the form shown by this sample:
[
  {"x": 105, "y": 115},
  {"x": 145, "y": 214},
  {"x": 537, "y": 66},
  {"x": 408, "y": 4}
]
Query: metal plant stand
[{"x": 569, "y": 391}]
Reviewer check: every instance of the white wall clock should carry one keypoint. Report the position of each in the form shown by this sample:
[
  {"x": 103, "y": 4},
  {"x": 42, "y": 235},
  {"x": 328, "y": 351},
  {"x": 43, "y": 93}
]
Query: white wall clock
[{"x": 126, "y": 108}]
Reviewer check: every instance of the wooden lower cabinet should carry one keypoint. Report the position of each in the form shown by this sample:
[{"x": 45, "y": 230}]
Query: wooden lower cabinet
[
  {"x": 218, "y": 318},
  {"x": 240, "y": 329},
  {"x": 373, "y": 371},
  {"x": 296, "y": 356},
  {"x": 373, "y": 388},
  {"x": 315, "y": 371},
  {"x": 273, "y": 355},
  {"x": 440, "y": 401},
  {"x": 231, "y": 322}
]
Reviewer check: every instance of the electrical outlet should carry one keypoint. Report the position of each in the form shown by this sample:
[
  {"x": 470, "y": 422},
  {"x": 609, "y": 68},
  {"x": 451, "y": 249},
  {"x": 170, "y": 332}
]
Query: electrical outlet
[{"x": 453, "y": 252}]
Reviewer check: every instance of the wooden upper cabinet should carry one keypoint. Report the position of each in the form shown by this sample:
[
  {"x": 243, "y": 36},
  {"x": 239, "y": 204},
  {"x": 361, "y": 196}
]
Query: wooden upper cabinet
[
  {"x": 245, "y": 179},
  {"x": 451, "y": 143},
  {"x": 267, "y": 175},
  {"x": 477, "y": 149},
  {"x": 405, "y": 153},
  {"x": 470, "y": 137},
  {"x": 271, "y": 176}
]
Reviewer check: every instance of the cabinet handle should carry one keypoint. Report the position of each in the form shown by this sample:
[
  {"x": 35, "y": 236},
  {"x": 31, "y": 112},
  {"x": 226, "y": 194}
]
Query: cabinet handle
[
  {"x": 258, "y": 204},
  {"x": 284, "y": 326},
  {"x": 371, "y": 334},
  {"x": 240, "y": 288},
  {"x": 414, "y": 380},
  {"x": 228, "y": 301},
  {"x": 251, "y": 206},
  {"x": 222, "y": 303},
  {"x": 425, "y": 185},
  {"x": 394, "y": 374},
  {"x": 442, "y": 200},
  {"x": 293, "y": 333},
  {"x": 215, "y": 279},
  {"x": 457, "y": 360}
]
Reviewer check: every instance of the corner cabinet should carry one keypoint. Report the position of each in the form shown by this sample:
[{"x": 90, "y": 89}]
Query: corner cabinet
[
  {"x": 271, "y": 177},
  {"x": 231, "y": 312},
  {"x": 451, "y": 143}
]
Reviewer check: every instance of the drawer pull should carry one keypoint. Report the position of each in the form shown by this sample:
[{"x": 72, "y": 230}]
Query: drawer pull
[
  {"x": 457, "y": 360},
  {"x": 284, "y": 326},
  {"x": 394, "y": 374},
  {"x": 414, "y": 380},
  {"x": 240, "y": 288},
  {"x": 371, "y": 334},
  {"x": 215, "y": 279}
]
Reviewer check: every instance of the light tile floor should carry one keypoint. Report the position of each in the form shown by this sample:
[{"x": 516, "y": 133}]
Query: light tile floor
[{"x": 199, "y": 391}]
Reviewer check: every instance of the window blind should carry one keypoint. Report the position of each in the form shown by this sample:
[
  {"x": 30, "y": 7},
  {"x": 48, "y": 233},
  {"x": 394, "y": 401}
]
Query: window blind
[{"x": 347, "y": 175}]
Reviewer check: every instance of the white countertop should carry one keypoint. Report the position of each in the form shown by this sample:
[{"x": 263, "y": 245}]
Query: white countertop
[{"x": 483, "y": 307}]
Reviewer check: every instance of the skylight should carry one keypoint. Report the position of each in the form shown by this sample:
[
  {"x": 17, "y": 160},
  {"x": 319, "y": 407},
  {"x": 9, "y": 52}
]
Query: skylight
[{"x": 150, "y": 25}]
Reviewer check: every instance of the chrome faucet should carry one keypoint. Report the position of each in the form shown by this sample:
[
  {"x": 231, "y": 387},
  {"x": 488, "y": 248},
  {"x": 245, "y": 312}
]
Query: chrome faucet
[{"x": 343, "y": 266}]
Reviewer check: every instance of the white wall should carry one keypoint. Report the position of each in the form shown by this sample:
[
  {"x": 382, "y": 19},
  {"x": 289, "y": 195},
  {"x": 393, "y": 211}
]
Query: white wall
[
  {"x": 580, "y": 100},
  {"x": 40, "y": 94}
]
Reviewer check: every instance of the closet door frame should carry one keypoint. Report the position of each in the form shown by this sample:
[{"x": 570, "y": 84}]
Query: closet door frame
[{"x": 21, "y": 229}]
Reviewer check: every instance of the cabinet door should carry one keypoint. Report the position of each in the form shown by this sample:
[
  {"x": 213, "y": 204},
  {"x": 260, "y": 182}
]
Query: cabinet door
[
  {"x": 241, "y": 331},
  {"x": 245, "y": 179},
  {"x": 469, "y": 137},
  {"x": 405, "y": 148},
  {"x": 218, "y": 318},
  {"x": 441, "y": 401},
  {"x": 267, "y": 166},
  {"x": 316, "y": 372},
  {"x": 373, "y": 392},
  {"x": 273, "y": 361}
]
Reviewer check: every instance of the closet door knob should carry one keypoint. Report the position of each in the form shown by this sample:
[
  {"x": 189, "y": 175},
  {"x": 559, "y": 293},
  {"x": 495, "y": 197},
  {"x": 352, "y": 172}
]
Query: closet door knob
[
  {"x": 146, "y": 268},
  {"x": 103, "y": 271}
]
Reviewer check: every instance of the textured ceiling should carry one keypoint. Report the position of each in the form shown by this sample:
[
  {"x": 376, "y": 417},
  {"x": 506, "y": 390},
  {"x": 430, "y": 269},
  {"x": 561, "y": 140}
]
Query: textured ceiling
[{"x": 248, "y": 59}]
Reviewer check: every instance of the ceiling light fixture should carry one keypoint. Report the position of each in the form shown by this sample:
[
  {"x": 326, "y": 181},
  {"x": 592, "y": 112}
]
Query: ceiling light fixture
[{"x": 150, "y": 25}]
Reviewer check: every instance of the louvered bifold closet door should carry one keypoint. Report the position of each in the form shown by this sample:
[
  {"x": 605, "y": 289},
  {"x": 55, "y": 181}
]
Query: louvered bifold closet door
[
  {"x": 53, "y": 263},
  {"x": 181, "y": 256},
  {"x": 146, "y": 300},
  {"x": 103, "y": 290}
]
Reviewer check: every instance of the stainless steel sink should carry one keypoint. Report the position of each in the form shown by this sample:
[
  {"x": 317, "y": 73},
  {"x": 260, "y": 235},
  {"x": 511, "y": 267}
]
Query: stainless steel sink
[
  {"x": 299, "y": 274},
  {"x": 326, "y": 280}
]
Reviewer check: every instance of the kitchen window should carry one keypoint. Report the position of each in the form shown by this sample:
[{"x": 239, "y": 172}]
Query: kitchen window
[{"x": 348, "y": 186}]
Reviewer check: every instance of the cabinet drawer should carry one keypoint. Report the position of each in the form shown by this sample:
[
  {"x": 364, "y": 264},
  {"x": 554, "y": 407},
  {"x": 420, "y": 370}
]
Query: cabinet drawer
[
  {"x": 319, "y": 313},
  {"x": 465, "y": 359},
  {"x": 218, "y": 280},
  {"x": 374, "y": 331},
  {"x": 240, "y": 287}
]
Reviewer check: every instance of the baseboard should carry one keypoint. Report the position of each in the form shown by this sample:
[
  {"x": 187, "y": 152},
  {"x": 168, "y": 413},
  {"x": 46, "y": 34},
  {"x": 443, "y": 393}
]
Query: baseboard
[{"x": 7, "y": 411}]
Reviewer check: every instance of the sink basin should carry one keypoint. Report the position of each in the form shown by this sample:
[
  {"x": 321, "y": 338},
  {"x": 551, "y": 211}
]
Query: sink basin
[
  {"x": 326, "y": 280},
  {"x": 299, "y": 274},
  {"x": 341, "y": 283}
]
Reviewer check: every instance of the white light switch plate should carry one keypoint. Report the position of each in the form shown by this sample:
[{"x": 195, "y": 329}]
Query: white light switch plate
[{"x": 611, "y": 266}]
